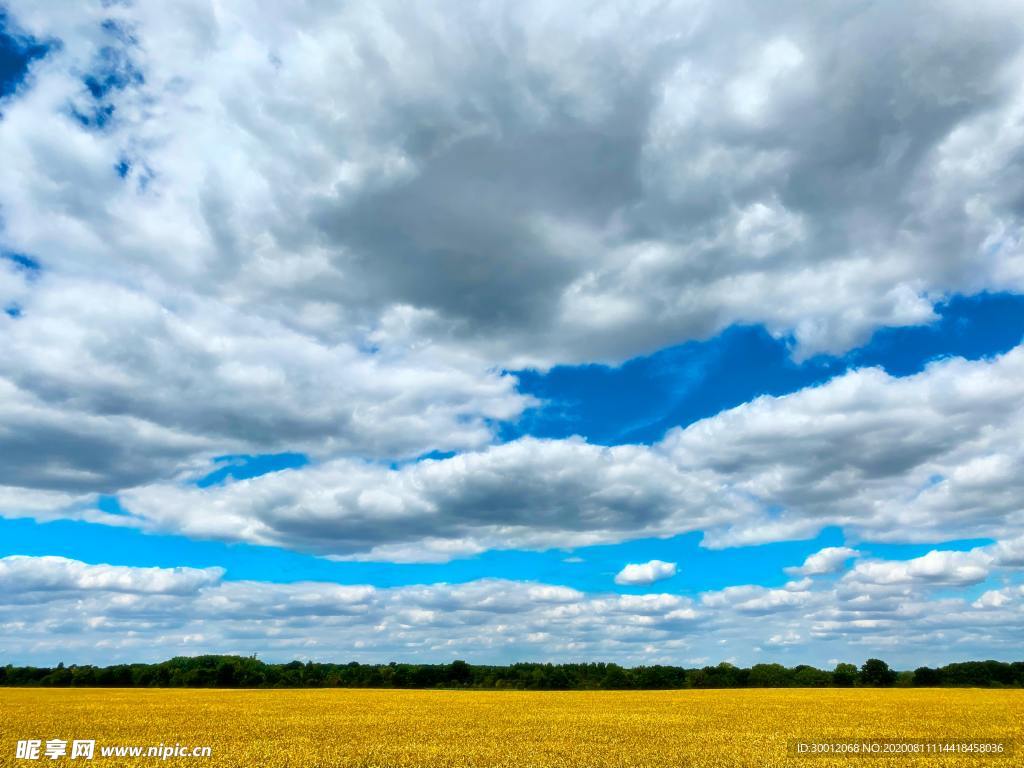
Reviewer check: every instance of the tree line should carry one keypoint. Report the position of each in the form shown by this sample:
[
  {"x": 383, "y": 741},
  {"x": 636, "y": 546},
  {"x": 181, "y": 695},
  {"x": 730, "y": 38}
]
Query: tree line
[{"x": 250, "y": 672}]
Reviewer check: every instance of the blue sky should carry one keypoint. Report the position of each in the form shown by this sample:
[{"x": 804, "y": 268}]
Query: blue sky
[
  {"x": 632, "y": 335},
  {"x": 16, "y": 54},
  {"x": 639, "y": 400}
]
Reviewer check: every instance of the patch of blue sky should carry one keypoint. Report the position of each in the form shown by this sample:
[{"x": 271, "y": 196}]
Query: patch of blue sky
[
  {"x": 111, "y": 505},
  {"x": 435, "y": 455},
  {"x": 120, "y": 31},
  {"x": 96, "y": 116},
  {"x": 21, "y": 261},
  {"x": 17, "y": 51},
  {"x": 29, "y": 266},
  {"x": 112, "y": 70},
  {"x": 638, "y": 401},
  {"x": 243, "y": 466}
]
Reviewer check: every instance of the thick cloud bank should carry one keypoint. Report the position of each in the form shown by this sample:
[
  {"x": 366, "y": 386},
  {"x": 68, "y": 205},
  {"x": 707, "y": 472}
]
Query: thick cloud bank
[{"x": 328, "y": 227}]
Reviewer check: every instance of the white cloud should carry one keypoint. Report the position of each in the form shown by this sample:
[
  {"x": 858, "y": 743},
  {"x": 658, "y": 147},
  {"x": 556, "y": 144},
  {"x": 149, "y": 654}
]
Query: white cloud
[
  {"x": 529, "y": 493},
  {"x": 998, "y": 598},
  {"x": 936, "y": 567},
  {"x": 827, "y": 560},
  {"x": 784, "y": 639},
  {"x": 757, "y": 600},
  {"x": 95, "y": 399},
  {"x": 1008, "y": 553},
  {"x": 20, "y": 575},
  {"x": 941, "y": 567},
  {"x": 645, "y": 573}
]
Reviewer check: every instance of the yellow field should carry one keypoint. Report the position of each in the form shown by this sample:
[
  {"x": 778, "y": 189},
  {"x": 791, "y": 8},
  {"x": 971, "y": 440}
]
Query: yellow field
[{"x": 335, "y": 728}]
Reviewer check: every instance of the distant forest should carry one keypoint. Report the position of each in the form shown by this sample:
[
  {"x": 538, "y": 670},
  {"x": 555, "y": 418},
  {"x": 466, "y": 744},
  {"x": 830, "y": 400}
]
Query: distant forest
[{"x": 250, "y": 672}]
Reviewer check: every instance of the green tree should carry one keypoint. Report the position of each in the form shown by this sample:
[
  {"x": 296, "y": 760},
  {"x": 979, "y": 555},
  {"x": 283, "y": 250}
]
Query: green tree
[
  {"x": 904, "y": 679},
  {"x": 459, "y": 672},
  {"x": 769, "y": 676},
  {"x": 844, "y": 675},
  {"x": 614, "y": 678},
  {"x": 809, "y": 677},
  {"x": 226, "y": 675},
  {"x": 875, "y": 673}
]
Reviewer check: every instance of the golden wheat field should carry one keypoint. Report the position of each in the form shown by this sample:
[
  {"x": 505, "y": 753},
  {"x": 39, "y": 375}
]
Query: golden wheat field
[{"x": 462, "y": 728}]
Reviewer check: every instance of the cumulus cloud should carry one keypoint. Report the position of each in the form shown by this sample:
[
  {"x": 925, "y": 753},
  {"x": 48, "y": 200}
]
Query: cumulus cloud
[
  {"x": 20, "y": 575},
  {"x": 645, "y": 573},
  {"x": 529, "y": 493},
  {"x": 234, "y": 258},
  {"x": 1008, "y": 553},
  {"x": 998, "y": 598},
  {"x": 941, "y": 567},
  {"x": 754, "y": 599},
  {"x": 827, "y": 560},
  {"x": 99, "y": 613},
  {"x": 951, "y": 568},
  {"x": 96, "y": 400},
  {"x": 920, "y": 458}
]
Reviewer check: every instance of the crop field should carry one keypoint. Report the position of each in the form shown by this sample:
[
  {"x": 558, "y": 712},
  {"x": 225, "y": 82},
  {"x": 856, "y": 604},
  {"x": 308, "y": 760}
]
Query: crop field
[{"x": 338, "y": 727}]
